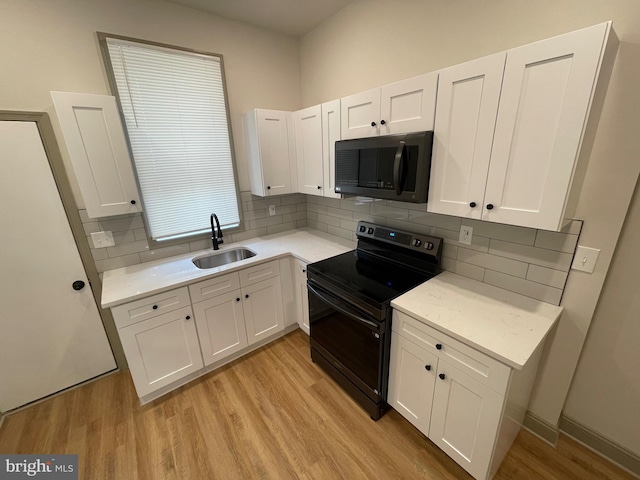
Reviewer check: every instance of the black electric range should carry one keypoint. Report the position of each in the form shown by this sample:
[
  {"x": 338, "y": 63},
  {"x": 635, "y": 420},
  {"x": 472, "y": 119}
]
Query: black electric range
[{"x": 350, "y": 306}]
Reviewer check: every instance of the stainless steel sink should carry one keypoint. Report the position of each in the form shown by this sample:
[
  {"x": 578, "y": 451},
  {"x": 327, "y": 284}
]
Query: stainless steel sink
[{"x": 218, "y": 259}]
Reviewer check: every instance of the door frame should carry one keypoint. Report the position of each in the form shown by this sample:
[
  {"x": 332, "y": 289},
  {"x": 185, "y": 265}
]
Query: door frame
[{"x": 52, "y": 151}]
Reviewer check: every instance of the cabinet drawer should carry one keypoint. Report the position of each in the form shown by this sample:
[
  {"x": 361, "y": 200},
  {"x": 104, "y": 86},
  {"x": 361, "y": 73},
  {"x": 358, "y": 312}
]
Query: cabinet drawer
[
  {"x": 214, "y": 286},
  {"x": 476, "y": 364},
  {"x": 256, "y": 274},
  {"x": 134, "y": 312}
]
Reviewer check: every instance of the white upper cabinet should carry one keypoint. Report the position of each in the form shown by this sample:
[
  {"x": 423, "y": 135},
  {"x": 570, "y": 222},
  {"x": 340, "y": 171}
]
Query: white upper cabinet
[
  {"x": 269, "y": 136},
  {"x": 330, "y": 134},
  {"x": 95, "y": 139},
  {"x": 468, "y": 96},
  {"x": 309, "y": 156},
  {"x": 546, "y": 96},
  {"x": 401, "y": 107},
  {"x": 507, "y": 138}
]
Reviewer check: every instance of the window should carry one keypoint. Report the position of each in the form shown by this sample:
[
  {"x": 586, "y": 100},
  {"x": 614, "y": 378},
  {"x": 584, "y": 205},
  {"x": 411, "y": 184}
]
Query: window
[{"x": 175, "y": 109}]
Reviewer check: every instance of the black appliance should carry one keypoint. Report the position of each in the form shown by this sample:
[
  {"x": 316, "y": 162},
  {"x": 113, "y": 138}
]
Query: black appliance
[
  {"x": 350, "y": 311},
  {"x": 395, "y": 167}
]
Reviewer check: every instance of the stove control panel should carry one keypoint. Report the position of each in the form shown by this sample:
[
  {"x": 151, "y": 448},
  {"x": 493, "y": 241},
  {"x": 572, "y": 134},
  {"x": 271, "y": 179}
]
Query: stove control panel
[{"x": 412, "y": 241}]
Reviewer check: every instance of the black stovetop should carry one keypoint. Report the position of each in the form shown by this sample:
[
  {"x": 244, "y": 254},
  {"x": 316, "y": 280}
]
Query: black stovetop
[{"x": 369, "y": 277}]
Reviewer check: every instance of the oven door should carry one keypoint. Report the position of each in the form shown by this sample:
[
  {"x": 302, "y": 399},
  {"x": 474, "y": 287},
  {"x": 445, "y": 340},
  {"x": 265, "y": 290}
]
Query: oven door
[{"x": 349, "y": 339}]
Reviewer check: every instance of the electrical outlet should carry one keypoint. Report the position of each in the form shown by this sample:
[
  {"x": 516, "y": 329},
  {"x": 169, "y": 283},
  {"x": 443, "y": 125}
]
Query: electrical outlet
[
  {"x": 102, "y": 239},
  {"x": 585, "y": 259},
  {"x": 465, "y": 234},
  {"x": 272, "y": 210}
]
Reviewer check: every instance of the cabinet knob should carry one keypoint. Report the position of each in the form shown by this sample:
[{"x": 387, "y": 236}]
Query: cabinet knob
[
  {"x": 427, "y": 367},
  {"x": 382, "y": 122},
  {"x": 439, "y": 346},
  {"x": 268, "y": 187},
  {"x": 319, "y": 187},
  {"x": 133, "y": 202},
  {"x": 490, "y": 206},
  {"x": 373, "y": 124},
  {"x": 246, "y": 296},
  {"x": 304, "y": 270},
  {"x": 155, "y": 307},
  {"x": 77, "y": 285},
  {"x": 472, "y": 204},
  {"x": 188, "y": 317},
  {"x": 442, "y": 376},
  {"x": 238, "y": 299}
]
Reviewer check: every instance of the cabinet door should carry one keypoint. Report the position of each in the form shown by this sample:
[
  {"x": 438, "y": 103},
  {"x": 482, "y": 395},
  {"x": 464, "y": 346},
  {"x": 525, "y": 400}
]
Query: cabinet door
[
  {"x": 97, "y": 146},
  {"x": 412, "y": 374},
  {"x": 408, "y": 106},
  {"x": 263, "y": 313},
  {"x": 161, "y": 350},
  {"x": 360, "y": 115},
  {"x": 221, "y": 329},
  {"x": 302, "y": 298},
  {"x": 273, "y": 137},
  {"x": 465, "y": 419},
  {"x": 468, "y": 96},
  {"x": 546, "y": 96},
  {"x": 330, "y": 134},
  {"x": 308, "y": 133}
]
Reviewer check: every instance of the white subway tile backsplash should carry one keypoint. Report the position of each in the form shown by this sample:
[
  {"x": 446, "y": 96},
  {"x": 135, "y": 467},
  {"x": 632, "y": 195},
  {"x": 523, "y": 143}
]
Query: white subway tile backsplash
[
  {"x": 389, "y": 212},
  {"x": 247, "y": 234},
  {"x": 348, "y": 225},
  {"x": 165, "y": 252},
  {"x": 464, "y": 269},
  {"x": 338, "y": 212},
  {"x": 340, "y": 232},
  {"x": 294, "y": 217},
  {"x": 547, "y": 276},
  {"x": 323, "y": 227},
  {"x": 534, "y": 255},
  {"x": 480, "y": 244},
  {"x": 312, "y": 207},
  {"x": 439, "y": 221},
  {"x": 354, "y": 205},
  {"x": 125, "y": 237},
  {"x": 99, "y": 253},
  {"x": 556, "y": 241},
  {"x": 117, "y": 262},
  {"x": 507, "y": 233},
  {"x": 121, "y": 224},
  {"x": 524, "y": 287},
  {"x": 283, "y": 227},
  {"x": 128, "y": 248},
  {"x": 140, "y": 234},
  {"x": 254, "y": 214},
  {"x": 335, "y": 221},
  {"x": 449, "y": 251},
  {"x": 265, "y": 222},
  {"x": 493, "y": 262}
]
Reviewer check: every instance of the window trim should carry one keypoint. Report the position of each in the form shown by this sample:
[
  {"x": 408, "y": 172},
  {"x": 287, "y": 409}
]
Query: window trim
[{"x": 104, "y": 49}]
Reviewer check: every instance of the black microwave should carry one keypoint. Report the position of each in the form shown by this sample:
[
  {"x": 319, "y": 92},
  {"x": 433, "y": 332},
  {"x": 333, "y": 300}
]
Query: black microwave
[{"x": 393, "y": 167}]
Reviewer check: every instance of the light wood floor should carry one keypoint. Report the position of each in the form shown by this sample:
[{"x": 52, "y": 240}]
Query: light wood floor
[{"x": 270, "y": 415}]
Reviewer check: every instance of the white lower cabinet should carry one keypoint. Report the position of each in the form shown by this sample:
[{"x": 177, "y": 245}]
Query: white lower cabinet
[
  {"x": 161, "y": 350},
  {"x": 302, "y": 297},
  {"x": 467, "y": 403},
  {"x": 164, "y": 343}
]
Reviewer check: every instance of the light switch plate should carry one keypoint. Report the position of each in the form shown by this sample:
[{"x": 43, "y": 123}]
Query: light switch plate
[
  {"x": 272, "y": 210},
  {"x": 102, "y": 239},
  {"x": 466, "y": 233},
  {"x": 585, "y": 259}
]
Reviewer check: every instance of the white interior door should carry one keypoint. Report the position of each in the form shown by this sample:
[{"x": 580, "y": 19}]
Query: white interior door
[{"x": 51, "y": 335}]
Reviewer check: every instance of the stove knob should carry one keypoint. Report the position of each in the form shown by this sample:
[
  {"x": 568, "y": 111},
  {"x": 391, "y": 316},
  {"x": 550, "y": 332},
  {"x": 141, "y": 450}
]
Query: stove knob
[
  {"x": 370, "y": 231},
  {"x": 417, "y": 242},
  {"x": 429, "y": 246},
  {"x": 363, "y": 228}
]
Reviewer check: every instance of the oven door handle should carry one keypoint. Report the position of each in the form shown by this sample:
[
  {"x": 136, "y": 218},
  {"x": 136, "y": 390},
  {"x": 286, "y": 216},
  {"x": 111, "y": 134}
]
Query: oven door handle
[{"x": 352, "y": 313}]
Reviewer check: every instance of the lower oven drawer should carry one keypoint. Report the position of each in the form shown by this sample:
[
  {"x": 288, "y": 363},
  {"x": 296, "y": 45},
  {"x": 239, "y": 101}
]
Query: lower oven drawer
[{"x": 355, "y": 343}]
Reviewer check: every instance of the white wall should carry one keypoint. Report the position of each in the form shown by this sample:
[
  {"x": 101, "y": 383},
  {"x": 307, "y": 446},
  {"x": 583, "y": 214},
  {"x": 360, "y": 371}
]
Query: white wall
[
  {"x": 373, "y": 42},
  {"x": 52, "y": 45}
]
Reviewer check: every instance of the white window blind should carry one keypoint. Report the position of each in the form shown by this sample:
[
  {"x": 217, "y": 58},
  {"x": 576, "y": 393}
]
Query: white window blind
[{"x": 175, "y": 111}]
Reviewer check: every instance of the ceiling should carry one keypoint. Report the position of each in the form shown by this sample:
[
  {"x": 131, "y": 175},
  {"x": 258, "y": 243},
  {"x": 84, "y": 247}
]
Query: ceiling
[{"x": 291, "y": 17}]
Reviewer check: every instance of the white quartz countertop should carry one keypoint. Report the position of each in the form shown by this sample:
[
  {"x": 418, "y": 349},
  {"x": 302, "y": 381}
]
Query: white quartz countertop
[
  {"x": 504, "y": 325},
  {"x": 130, "y": 283}
]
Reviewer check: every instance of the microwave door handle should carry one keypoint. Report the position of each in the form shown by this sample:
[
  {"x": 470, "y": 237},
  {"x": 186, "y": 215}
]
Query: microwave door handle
[
  {"x": 398, "y": 168},
  {"x": 347, "y": 311}
]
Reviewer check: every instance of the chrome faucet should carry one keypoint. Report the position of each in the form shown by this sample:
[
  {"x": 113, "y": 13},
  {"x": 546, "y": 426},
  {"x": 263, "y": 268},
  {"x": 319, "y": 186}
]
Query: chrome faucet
[{"x": 216, "y": 237}]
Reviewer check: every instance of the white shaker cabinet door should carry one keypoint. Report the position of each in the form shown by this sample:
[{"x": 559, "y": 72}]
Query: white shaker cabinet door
[
  {"x": 97, "y": 146},
  {"x": 161, "y": 350},
  {"x": 412, "y": 374},
  {"x": 465, "y": 419},
  {"x": 544, "y": 105},
  {"x": 302, "y": 296},
  {"x": 221, "y": 329},
  {"x": 263, "y": 311},
  {"x": 308, "y": 134},
  {"x": 409, "y": 105},
  {"x": 360, "y": 115},
  {"x": 468, "y": 96},
  {"x": 330, "y": 134}
]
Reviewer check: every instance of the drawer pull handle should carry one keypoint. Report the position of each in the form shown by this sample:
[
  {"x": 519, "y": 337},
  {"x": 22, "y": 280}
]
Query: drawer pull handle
[
  {"x": 439, "y": 346},
  {"x": 442, "y": 376},
  {"x": 155, "y": 307},
  {"x": 427, "y": 367}
]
